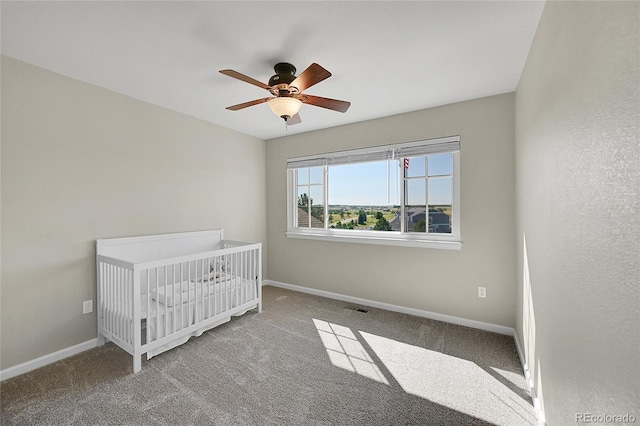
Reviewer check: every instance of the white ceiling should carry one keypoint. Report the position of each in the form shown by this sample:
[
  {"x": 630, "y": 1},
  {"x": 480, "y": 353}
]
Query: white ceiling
[{"x": 386, "y": 57}]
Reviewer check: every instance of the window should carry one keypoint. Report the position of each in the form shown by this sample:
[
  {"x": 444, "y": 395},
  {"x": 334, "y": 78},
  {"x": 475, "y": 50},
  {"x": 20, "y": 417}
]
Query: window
[
  {"x": 310, "y": 192},
  {"x": 404, "y": 194}
]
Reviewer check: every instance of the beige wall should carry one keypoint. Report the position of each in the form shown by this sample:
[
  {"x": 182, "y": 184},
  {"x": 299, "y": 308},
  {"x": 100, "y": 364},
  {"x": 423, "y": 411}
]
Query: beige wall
[
  {"x": 577, "y": 154},
  {"x": 79, "y": 163},
  {"x": 440, "y": 281}
]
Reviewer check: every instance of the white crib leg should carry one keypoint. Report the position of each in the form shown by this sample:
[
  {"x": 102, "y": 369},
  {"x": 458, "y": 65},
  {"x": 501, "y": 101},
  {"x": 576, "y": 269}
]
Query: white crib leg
[
  {"x": 101, "y": 340},
  {"x": 137, "y": 363}
]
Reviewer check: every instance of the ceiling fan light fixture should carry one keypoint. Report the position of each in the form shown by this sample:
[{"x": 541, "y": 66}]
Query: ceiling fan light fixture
[{"x": 285, "y": 107}]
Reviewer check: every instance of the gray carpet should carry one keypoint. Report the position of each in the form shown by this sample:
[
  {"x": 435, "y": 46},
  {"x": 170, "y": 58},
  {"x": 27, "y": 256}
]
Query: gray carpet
[{"x": 306, "y": 360}]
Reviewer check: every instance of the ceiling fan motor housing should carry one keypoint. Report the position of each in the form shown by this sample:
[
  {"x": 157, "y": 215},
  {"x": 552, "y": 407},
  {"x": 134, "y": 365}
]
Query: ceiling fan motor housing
[{"x": 285, "y": 74}]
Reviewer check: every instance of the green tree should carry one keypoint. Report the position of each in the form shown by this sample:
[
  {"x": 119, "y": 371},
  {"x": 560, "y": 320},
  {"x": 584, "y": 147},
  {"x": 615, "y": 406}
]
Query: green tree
[
  {"x": 362, "y": 217},
  {"x": 341, "y": 214},
  {"x": 303, "y": 202},
  {"x": 421, "y": 226},
  {"x": 379, "y": 215},
  {"x": 317, "y": 212},
  {"x": 382, "y": 224}
]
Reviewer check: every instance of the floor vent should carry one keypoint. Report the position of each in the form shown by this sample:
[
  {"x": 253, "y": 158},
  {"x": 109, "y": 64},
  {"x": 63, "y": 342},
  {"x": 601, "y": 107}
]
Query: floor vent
[{"x": 364, "y": 311}]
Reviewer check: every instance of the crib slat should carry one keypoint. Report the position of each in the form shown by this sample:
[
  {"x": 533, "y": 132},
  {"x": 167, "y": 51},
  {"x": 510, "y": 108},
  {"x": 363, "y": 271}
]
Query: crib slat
[
  {"x": 204, "y": 286},
  {"x": 174, "y": 297},
  {"x": 209, "y": 284},
  {"x": 107, "y": 299},
  {"x": 233, "y": 280},
  {"x": 113, "y": 299},
  {"x": 245, "y": 275},
  {"x": 206, "y": 297},
  {"x": 118, "y": 279},
  {"x": 157, "y": 271},
  {"x": 239, "y": 275},
  {"x": 127, "y": 285},
  {"x": 176, "y": 305},
  {"x": 242, "y": 282},
  {"x": 148, "y": 305},
  {"x": 118, "y": 300},
  {"x": 227, "y": 266},
  {"x": 164, "y": 305},
  {"x": 223, "y": 286},
  {"x": 189, "y": 293},
  {"x": 205, "y": 289},
  {"x": 123, "y": 303},
  {"x": 201, "y": 296},
  {"x": 236, "y": 289},
  {"x": 181, "y": 295},
  {"x": 215, "y": 289},
  {"x": 229, "y": 281},
  {"x": 127, "y": 290}
]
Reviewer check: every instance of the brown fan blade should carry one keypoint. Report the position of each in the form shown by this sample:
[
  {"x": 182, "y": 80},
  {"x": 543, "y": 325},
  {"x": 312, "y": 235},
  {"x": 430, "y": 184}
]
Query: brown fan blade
[
  {"x": 294, "y": 120},
  {"x": 248, "y": 104},
  {"x": 332, "y": 104},
  {"x": 312, "y": 75},
  {"x": 246, "y": 79}
]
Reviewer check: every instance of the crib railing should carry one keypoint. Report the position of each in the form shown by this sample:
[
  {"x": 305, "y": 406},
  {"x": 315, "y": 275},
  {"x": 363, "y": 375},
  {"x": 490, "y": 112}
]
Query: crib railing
[{"x": 147, "y": 307}]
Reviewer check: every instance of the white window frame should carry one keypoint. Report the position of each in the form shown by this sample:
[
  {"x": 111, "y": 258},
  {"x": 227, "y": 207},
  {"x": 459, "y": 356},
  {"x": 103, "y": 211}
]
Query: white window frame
[{"x": 449, "y": 241}]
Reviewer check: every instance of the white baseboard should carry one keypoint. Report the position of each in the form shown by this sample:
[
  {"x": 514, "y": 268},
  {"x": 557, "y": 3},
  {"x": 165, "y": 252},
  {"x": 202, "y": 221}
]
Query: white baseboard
[
  {"x": 47, "y": 359},
  {"x": 532, "y": 390},
  {"x": 500, "y": 329}
]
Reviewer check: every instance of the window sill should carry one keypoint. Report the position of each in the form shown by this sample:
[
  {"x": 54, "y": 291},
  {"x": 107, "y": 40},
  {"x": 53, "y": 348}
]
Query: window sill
[{"x": 382, "y": 240}]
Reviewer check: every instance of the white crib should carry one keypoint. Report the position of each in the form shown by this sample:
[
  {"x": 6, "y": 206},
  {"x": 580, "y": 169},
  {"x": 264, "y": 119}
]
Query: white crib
[{"x": 156, "y": 291}]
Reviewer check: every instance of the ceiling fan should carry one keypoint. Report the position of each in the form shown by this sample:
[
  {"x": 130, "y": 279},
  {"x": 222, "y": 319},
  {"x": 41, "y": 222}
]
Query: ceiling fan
[{"x": 287, "y": 90}]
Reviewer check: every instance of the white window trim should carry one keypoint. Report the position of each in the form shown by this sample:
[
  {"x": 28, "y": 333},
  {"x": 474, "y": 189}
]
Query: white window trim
[{"x": 444, "y": 241}]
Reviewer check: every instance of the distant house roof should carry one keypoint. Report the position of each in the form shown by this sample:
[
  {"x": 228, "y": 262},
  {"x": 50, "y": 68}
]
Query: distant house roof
[{"x": 303, "y": 220}]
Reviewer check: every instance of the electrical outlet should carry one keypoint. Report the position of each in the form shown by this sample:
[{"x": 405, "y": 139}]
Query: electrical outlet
[
  {"x": 87, "y": 306},
  {"x": 482, "y": 292}
]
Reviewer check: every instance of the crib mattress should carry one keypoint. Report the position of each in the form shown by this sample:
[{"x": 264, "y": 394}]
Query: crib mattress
[
  {"x": 224, "y": 290},
  {"x": 189, "y": 291}
]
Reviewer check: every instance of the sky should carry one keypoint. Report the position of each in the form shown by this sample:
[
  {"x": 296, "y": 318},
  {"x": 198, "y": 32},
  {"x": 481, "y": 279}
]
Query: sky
[{"x": 374, "y": 184}]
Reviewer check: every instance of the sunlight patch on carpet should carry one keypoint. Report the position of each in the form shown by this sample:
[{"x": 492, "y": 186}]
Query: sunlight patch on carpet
[
  {"x": 447, "y": 380},
  {"x": 346, "y": 352}
]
